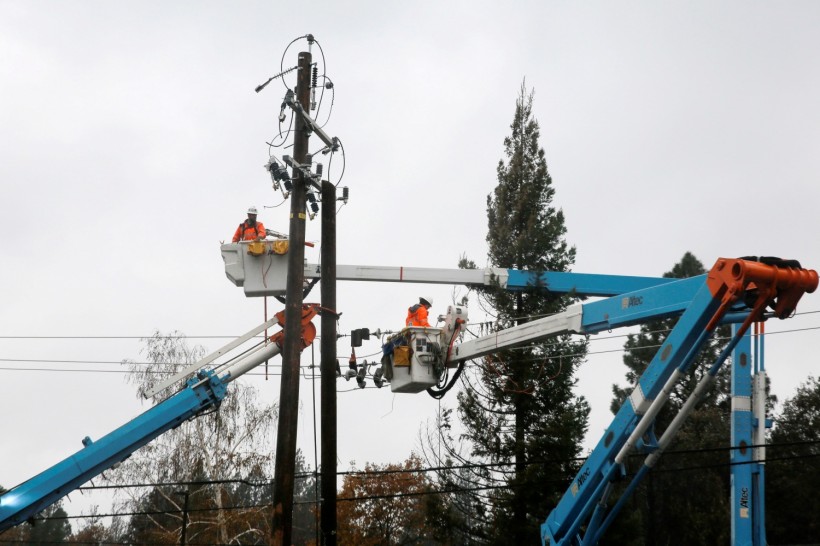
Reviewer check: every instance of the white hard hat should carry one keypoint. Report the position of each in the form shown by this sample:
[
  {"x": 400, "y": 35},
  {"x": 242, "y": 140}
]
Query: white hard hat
[
  {"x": 252, "y": 210},
  {"x": 428, "y": 299}
]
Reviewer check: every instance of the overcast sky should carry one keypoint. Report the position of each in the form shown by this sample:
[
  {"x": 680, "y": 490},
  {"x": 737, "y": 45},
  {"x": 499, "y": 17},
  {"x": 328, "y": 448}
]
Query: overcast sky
[{"x": 132, "y": 143}]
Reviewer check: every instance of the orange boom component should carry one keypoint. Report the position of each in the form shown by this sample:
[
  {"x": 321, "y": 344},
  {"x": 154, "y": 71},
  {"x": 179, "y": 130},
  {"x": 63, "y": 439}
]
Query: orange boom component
[
  {"x": 777, "y": 285},
  {"x": 309, "y": 310}
]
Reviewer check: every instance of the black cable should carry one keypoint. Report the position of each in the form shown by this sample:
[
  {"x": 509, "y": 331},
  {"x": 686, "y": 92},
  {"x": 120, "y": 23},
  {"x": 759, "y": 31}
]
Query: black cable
[
  {"x": 332, "y": 101},
  {"x": 431, "y": 491},
  {"x": 370, "y": 473},
  {"x": 593, "y": 337},
  {"x": 282, "y": 62},
  {"x": 180, "y": 336},
  {"x": 324, "y": 76},
  {"x": 456, "y": 490},
  {"x": 344, "y": 162},
  {"x": 439, "y": 393},
  {"x": 534, "y": 359},
  {"x": 272, "y": 143}
]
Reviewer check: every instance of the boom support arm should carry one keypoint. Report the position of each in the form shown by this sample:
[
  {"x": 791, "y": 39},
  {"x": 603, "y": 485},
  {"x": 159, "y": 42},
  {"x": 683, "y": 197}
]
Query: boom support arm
[{"x": 265, "y": 274}]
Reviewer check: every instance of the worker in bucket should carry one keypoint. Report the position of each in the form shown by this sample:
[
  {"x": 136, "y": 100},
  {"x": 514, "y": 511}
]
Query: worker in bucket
[
  {"x": 250, "y": 229},
  {"x": 417, "y": 314}
]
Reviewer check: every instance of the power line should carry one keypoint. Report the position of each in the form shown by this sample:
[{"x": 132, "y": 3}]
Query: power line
[
  {"x": 184, "y": 336},
  {"x": 371, "y": 473},
  {"x": 425, "y": 492},
  {"x": 587, "y": 353},
  {"x": 180, "y": 336}
]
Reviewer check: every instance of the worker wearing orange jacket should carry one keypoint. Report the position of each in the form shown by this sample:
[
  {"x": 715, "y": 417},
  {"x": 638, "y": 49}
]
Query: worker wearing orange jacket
[
  {"x": 250, "y": 229},
  {"x": 417, "y": 314}
]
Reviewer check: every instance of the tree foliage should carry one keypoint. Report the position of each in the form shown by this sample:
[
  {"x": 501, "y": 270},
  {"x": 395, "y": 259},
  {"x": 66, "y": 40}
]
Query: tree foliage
[
  {"x": 222, "y": 460},
  {"x": 94, "y": 531},
  {"x": 386, "y": 505},
  {"x": 793, "y": 472},
  {"x": 48, "y": 527},
  {"x": 521, "y": 425}
]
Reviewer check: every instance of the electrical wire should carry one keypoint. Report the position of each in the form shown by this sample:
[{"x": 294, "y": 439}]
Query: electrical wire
[
  {"x": 185, "y": 336},
  {"x": 284, "y": 138},
  {"x": 432, "y": 491},
  {"x": 344, "y": 162},
  {"x": 265, "y": 482},
  {"x": 282, "y": 62},
  {"x": 533, "y": 359},
  {"x": 332, "y": 100},
  {"x": 324, "y": 76}
]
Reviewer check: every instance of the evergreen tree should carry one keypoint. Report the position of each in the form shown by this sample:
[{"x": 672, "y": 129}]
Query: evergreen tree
[
  {"x": 519, "y": 413},
  {"x": 792, "y": 469},
  {"x": 675, "y": 506},
  {"x": 94, "y": 531},
  {"x": 50, "y": 526}
]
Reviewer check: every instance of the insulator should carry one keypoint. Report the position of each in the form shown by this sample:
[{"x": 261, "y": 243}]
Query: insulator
[
  {"x": 313, "y": 88},
  {"x": 360, "y": 377}
]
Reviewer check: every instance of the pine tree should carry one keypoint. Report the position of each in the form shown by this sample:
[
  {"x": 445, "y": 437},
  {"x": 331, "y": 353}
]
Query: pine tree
[
  {"x": 519, "y": 413},
  {"x": 48, "y": 527},
  {"x": 792, "y": 471},
  {"x": 51, "y": 526}
]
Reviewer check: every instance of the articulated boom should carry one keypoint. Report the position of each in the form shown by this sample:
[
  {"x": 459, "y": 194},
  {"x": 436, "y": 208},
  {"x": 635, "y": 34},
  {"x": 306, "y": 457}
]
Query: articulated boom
[
  {"x": 205, "y": 390},
  {"x": 733, "y": 285},
  {"x": 736, "y": 291}
]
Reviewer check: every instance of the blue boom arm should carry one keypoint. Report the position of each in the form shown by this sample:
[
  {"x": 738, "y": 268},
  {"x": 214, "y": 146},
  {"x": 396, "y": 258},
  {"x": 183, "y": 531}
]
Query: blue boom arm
[
  {"x": 202, "y": 392},
  {"x": 582, "y": 514},
  {"x": 32, "y": 496}
]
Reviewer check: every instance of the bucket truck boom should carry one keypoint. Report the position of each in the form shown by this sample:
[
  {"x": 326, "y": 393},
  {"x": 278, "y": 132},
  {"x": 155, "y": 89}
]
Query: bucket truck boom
[
  {"x": 737, "y": 291},
  {"x": 582, "y": 515},
  {"x": 203, "y": 391}
]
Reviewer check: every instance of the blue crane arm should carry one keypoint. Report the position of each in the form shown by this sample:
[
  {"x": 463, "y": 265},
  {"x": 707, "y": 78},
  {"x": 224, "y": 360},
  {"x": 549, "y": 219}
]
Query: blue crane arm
[
  {"x": 580, "y": 517},
  {"x": 204, "y": 391},
  {"x": 582, "y": 284},
  {"x": 30, "y": 497}
]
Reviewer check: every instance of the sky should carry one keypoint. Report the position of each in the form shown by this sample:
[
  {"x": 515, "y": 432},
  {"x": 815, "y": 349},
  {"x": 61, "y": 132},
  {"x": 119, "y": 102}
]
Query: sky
[{"x": 132, "y": 143}]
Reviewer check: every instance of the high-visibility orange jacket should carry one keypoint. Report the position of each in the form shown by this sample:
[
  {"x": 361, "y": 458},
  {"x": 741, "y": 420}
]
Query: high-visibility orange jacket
[
  {"x": 417, "y": 316},
  {"x": 247, "y": 232}
]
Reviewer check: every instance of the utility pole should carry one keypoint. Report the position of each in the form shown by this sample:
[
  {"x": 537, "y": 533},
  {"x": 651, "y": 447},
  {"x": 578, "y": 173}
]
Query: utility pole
[
  {"x": 291, "y": 351},
  {"x": 328, "y": 363}
]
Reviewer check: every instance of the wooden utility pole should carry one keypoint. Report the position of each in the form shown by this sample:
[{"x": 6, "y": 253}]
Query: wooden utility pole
[
  {"x": 328, "y": 363},
  {"x": 291, "y": 350}
]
